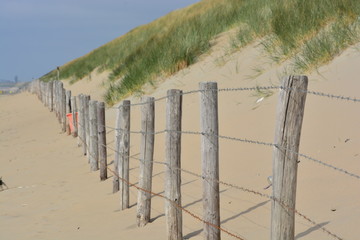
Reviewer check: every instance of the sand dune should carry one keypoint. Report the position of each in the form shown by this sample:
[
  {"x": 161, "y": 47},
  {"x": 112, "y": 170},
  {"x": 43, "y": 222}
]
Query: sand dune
[{"x": 53, "y": 195}]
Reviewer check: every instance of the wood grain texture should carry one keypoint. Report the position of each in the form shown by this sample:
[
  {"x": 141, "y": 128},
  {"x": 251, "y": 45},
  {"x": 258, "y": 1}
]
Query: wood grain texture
[
  {"x": 93, "y": 143},
  {"x": 290, "y": 111},
  {"x": 146, "y": 163},
  {"x": 210, "y": 158},
  {"x": 87, "y": 125},
  {"x": 173, "y": 165},
  {"x": 124, "y": 149},
  {"x": 102, "y": 141}
]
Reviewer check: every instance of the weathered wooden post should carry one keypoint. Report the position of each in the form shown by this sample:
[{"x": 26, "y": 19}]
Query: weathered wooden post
[
  {"x": 210, "y": 158},
  {"x": 81, "y": 128},
  {"x": 59, "y": 90},
  {"x": 124, "y": 149},
  {"x": 44, "y": 93},
  {"x": 102, "y": 141},
  {"x": 146, "y": 163},
  {"x": 74, "y": 116},
  {"x": 51, "y": 96},
  {"x": 290, "y": 112},
  {"x": 173, "y": 165},
  {"x": 63, "y": 110},
  {"x": 55, "y": 99},
  {"x": 118, "y": 130},
  {"x": 87, "y": 124},
  {"x": 68, "y": 110},
  {"x": 47, "y": 86},
  {"x": 93, "y": 143},
  {"x": 39, "y": 90}
]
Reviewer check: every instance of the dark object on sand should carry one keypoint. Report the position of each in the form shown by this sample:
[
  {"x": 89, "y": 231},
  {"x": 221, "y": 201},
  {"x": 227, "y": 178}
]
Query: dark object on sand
[{"x": 2, "y": 184}]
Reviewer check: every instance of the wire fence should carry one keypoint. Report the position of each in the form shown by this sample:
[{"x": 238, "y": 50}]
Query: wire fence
[
  {"x": 257, "y": 88},
  {"x": 243, "y": 140},
  {"x": 235, "y": 186}
]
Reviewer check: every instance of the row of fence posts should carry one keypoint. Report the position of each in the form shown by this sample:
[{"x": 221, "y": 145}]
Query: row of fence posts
[
  {"x": 87, "y": 116},
  {"x": 91, "y": 132}
]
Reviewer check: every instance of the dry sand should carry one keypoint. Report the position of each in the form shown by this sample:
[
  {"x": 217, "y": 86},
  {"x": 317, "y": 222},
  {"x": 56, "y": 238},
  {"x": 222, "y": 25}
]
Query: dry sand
[{"x": 53, "y": 195}]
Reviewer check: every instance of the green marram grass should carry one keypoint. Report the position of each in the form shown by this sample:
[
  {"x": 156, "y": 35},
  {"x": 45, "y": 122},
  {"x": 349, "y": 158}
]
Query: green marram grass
[{"x": 310, "y": 33}]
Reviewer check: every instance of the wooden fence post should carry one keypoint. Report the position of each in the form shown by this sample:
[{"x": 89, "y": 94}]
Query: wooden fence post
[
  {"x": 82, "y": 123},
  {"x": 86, "y": 99},
  {"x": 210, "y": 158},
  {"x": 55, "y": 98},
  {"x": 146, "y": 163},
  {"x": 122, "y": 151},
  {"x": 290, "y": 111},
  {"x": 173, "y": 165},
  {"x": 58, "y": 99},
  {"x": 93, "y": 143},
  {"x": 63, "y": 110},
  {"x": 68, "y": 110},
  {"x": 51, "y": 96},
  {"x": 102, "y": 141},
  {"x": 47, "y": 95},
  {"x": 123, "y": 145},
  {"x": 116, "y": 180},
  {"x": 74, "y": 116}
]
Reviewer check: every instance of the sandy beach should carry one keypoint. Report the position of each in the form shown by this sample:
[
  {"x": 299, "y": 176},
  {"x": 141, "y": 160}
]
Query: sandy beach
[{"x": 53, "y": 194}]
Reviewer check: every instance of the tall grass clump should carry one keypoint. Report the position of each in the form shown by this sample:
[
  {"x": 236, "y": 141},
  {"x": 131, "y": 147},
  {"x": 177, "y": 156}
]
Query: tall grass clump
[{"x": 295, "y": 22}]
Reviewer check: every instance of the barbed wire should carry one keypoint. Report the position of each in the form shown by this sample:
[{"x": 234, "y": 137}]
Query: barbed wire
[
  {"x": 251, "y": 142},
  {"x": 229, "y": 185},
  {"x": 248, "y": 141},
  {"x": 235, "y": 186},
  {"x": 351, "y": 99},
  {"x": 244, "y": 190},
  {"x": 257, "y": 88},
  {"x": 177, "y": 206},
  {"x": 264, "y": 195}
]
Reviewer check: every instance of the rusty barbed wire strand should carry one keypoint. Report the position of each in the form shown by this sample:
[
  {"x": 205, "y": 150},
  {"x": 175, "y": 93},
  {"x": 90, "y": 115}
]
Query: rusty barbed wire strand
[{"x": 176, "y": 205}]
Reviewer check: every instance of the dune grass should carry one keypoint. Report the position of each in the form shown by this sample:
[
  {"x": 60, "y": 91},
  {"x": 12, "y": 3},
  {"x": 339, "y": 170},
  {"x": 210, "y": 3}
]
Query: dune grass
[{"x": 310, "y": 33}]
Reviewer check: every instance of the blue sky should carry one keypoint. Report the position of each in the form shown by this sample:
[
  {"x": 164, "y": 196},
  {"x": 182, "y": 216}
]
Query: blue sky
[{"x": 38, "y": 35}]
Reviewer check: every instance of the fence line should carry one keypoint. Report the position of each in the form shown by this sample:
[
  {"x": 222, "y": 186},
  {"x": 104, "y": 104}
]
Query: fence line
[
  {"x": 164, "y": 197},
  {"x": 235, "y": 186},
  {"x": 56, "y": 100}
]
